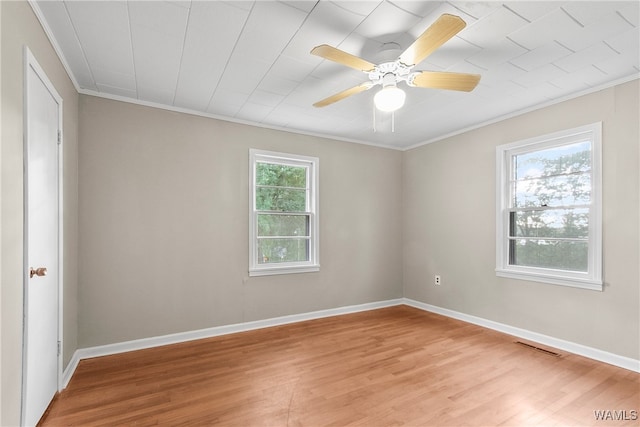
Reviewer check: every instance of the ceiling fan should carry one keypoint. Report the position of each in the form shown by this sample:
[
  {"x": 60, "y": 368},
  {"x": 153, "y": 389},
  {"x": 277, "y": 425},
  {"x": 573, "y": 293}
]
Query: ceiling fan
[{"x": 389, "y": 74}]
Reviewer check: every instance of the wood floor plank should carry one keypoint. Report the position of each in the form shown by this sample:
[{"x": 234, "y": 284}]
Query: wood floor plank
[{"x": 396, "y": 366}]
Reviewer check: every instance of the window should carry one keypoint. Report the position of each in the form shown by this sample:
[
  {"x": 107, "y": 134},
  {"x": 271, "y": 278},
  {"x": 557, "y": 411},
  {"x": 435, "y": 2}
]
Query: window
[
  {"x": 283, "y": 213},
  {"x": 548, "y": 216}
]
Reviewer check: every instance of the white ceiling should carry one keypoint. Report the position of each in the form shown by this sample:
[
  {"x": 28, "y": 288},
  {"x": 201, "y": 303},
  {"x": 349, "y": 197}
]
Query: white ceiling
[{"x": 249, "y": 61}]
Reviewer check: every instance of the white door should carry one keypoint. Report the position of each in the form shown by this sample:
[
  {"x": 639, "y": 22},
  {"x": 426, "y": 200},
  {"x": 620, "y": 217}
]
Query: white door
[{"x": 43, "y": 111}]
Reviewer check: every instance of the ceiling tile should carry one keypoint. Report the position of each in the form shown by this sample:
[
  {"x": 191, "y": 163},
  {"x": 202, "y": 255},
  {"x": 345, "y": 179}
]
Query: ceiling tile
[
  {"x": 418, "y": 8},
  {"x": 292, "y": 69},
  {"x": 386, "y": 19},
  {"x": 245, "y": 5},
  {"x": 631, "y": 12},
  {"x": 243, "y": 74},
  {"x": 60, "y": 23},
  {"x": 626, "y": 43},
  {"x": 619, "y": 66},
  {"x": 362, "y": 8},
  {"x": 540, "y": 75},
  {"x": 497, "y": 90},
  {"x": 467, "y": 67},
  {"x": 103, "y": 30},
  {"x": 497, "y": 108},
  {"x": 533, "y": 10},
  {"x": 556, "y": 25},
  {"x": 163, "y": 17},
  {"x": 304, "y": 5},
  {"x": 500, "y": 73},
  {"x": 253, "y": 112},
  {"x": 592, "y": 12},
  {"x": 569, "y": 82},
  {"x": 157, "y": 59},
  {"x": 540, "y": 56},
  {"x": 549, "y": 90},
  {"x": 206, "y": 51},
  {"x": 113, "y": 79},
  {"x": 417, "y": 30},
  {"x": 331, "y": 70},
  {"x": 363, "y": 47},
  {"x": 227, "y": 103},
  {"x": 107, "y": 15},
  {"x": 588, "y": 56},
  {"x": 115, "y": 55},
  {"x": 590, "y": 75},
  {"x": 493, "y": 28},
  {"x": 268, "y": 99},
  {"x": 279, "y": 21},
  {"x": 219, "y": 17},
  {"x": 452, "y": 52},
  {"x": 278, "y": 119},
  {"x": 499, "y": 53},
  {"x": 311, "y": 91},
  {"x": 607, "y": 26},
  {"x": 155, "y": 94},
  {"x": 278, "y": 85},
  {"x": 326, "y": 24},
  {"x": 477, "y": 9},
  {"x": 182, "y": 3},
  {"x": 285, "y": 114},
  {"x": 527, "y": 99}
]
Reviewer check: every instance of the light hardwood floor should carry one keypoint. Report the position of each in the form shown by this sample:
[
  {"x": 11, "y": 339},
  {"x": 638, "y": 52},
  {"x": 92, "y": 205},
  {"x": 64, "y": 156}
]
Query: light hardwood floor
[{"x": 388, "y": 367}]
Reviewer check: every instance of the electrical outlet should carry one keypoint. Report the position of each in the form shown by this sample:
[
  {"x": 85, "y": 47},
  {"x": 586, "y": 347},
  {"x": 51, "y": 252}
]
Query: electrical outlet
[{"x": 437, "y": 280}]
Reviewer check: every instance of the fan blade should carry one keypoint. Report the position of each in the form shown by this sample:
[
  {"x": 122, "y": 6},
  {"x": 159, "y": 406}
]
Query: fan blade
[
  {"x": 446, "y": 80},
  {"x": 342, "y": 95},
  {"x": 342, "y": 57},
  {"x": 433, "y": 37}
]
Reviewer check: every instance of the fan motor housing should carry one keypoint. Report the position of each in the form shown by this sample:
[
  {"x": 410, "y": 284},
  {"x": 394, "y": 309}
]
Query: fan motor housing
[{"x": 396, "y": 69}]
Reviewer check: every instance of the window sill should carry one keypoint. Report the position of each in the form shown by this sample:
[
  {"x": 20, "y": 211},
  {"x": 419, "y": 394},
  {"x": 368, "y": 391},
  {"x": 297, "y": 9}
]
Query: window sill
[
  {"x": 554, "y": 279},
  {"x": 270, "y": 271}
]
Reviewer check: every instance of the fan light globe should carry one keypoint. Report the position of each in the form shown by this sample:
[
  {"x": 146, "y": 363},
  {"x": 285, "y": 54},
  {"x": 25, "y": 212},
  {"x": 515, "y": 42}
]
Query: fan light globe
[{"x": 389, "y": 98}]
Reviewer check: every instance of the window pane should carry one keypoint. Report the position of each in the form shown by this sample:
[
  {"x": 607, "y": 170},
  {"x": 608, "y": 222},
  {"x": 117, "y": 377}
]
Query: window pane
[
  {"x": 281, "y": 199},
  {"x": 281, "y": 175},
  {"x": 283, "y": 225},
  {"x": 564, "y": 190},
  {"x": 564, "y": 223},
  {"x": 283, "y": 233},
  {"x": 282, "y": 250},
  {"x": 564, "y": 255},
  {"x": 566, "y": 159}
]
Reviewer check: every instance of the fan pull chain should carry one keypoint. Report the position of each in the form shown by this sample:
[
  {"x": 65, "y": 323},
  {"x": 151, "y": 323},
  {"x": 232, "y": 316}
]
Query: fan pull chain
[
  {"x": 393, "y": 120},
  {"x": 374, "y": 118}
]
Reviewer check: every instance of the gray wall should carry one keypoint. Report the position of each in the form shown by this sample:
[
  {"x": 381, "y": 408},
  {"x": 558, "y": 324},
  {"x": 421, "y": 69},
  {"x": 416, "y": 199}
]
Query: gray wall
[
  {"x": 449, "y": 227},
  {"x": 164, "y": 219},
  {"x": 20, "y": 27}
]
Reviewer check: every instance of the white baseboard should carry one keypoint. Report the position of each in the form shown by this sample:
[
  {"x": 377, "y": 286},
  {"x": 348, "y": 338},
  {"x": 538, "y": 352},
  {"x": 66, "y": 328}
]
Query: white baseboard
[
  {"x": 122, "y": 347},
  {"x": 109, "y": 349},
  {"x": 69, "y": 370},
  {"x": 579, "y": 349}
]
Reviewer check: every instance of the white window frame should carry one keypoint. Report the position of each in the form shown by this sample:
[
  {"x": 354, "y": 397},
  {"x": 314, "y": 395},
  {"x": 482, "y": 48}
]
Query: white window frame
[
  {"x": 592, "y": 278},
  {"x": 312, "y": 165}
]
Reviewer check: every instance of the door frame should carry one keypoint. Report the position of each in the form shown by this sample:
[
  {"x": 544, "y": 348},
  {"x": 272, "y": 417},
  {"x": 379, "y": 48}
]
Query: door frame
[{"x": 30, "y": 63}]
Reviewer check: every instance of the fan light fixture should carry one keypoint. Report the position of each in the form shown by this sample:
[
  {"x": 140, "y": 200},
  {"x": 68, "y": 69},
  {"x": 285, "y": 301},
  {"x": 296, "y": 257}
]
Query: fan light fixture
[
  {"x": 389, "y": 74},
  {"x": 389, "y": 98}
]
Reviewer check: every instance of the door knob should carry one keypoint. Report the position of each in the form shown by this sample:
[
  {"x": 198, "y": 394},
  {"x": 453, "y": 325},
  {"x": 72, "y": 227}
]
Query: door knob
[{"x": 40, "y": 271}]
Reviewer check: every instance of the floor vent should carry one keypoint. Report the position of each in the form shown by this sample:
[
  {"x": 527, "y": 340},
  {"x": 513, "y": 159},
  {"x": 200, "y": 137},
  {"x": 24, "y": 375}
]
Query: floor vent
[{"x": 542, "y": 350}]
